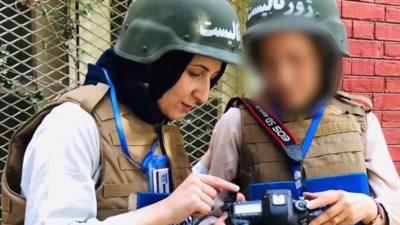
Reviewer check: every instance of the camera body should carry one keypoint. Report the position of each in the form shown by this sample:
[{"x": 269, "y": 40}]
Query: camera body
[{"x": 276, "y": 208}]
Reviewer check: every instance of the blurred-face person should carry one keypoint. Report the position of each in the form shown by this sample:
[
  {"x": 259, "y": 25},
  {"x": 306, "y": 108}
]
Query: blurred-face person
[
  {"x": 300, "y": 133},
  {"x": 104, "y": 153},
  {"x": 291, "y": 67}
]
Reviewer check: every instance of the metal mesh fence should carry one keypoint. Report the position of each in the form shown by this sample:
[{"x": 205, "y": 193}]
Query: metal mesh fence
[{"x": 45, "y": 48}]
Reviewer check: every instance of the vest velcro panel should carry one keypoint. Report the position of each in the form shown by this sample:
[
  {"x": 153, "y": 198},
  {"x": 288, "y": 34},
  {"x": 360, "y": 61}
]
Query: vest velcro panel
[{"x": 338, "y": 147}]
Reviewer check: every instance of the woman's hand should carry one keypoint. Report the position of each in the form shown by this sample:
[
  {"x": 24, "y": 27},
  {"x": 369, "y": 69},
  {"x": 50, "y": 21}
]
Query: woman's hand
[
  {"x": 345, "y": 208},
  {"x": 195, "y": 196},
  {"x": 221, "y": 220}
]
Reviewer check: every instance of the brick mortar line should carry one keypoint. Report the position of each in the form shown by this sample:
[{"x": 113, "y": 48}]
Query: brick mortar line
[
  {"x": 369, "y": 58},
  {"x": 372, "y": 3}
]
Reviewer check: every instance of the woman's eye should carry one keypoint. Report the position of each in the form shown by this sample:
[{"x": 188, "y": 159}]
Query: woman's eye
[{"x": 193, "y": 74}]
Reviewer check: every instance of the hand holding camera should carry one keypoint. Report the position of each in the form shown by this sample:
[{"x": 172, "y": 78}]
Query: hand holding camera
[
  {"x": 195, "y": 196},
  {"x": 276, "y": 207},
  {"x": 345, "y": 207}
]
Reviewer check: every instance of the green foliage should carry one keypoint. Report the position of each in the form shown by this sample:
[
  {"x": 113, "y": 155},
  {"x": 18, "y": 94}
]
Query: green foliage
[
  {"x": 3, "y": 60},
  {"x": 5, "y": 82},
  {"x": 64, "y": 22},
  {"x": 13, "y": 85}
]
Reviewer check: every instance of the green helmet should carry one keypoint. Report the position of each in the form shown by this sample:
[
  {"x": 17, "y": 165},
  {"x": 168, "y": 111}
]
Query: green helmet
[
  {"x": 320, "y": 17},
  {"x": 204, "y": 27}
]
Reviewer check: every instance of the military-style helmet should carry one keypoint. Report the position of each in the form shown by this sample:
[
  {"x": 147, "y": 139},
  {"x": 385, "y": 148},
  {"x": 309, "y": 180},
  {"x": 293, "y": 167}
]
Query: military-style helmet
[
  {"x": 320, "y": 17},
  {"x": 154, "y": 27}
]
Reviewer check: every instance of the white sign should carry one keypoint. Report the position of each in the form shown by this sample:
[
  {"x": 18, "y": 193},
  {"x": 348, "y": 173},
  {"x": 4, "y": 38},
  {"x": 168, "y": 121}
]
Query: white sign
[
  {"x": 298, "y": 9},
  {"x": 227, "y": 33},
  {"x": 265, "y": 8}
]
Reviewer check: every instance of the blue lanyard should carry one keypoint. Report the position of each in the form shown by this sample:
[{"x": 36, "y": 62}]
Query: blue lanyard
[
  {"x": 312, "y": 130},
  {"x": 296, "y": 167},
  {"x": 121, "y": 134}
]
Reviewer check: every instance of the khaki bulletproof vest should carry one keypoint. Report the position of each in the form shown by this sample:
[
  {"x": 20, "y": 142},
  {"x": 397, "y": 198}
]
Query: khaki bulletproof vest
[
  {"x": 119, "y": 178},
  {"x": 338, "y": 147}
]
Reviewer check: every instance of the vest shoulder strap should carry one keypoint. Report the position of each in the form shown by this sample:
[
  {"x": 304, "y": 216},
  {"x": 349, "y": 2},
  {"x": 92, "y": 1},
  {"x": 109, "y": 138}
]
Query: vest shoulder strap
[
  {"x": 356, "y": 101},
  {"x": 87, "y": 96}
]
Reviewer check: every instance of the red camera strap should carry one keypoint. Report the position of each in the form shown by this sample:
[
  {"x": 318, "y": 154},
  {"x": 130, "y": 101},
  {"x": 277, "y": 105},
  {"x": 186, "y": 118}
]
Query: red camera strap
[{"x": 272, "y": 125}]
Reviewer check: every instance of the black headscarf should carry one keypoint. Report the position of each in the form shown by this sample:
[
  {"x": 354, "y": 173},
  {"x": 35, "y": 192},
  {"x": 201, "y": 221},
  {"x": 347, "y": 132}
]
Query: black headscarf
[{"x": 139, "y": 86}]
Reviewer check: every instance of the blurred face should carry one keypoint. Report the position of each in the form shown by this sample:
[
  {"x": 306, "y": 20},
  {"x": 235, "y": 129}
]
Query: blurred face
[
  {"x": 291, "y": 69},
  {"x": 191, "y": 89}
]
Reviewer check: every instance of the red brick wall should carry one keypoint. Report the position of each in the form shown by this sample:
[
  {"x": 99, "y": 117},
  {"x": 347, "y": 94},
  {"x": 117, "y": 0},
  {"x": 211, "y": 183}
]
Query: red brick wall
[{"x": 374, "y": 67}]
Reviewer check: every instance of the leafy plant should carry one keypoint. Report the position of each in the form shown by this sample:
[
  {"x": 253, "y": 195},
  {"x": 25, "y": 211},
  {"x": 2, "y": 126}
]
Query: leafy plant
[
  {"x": 13, "y": 85},
  {"x": 3, "y": 64},
  {"x": 64, "y": 22}
]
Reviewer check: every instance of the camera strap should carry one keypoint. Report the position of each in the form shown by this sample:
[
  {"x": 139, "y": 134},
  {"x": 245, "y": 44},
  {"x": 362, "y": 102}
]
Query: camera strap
[
  {"x": 155, "y": 166},
  {"x": 282, "y": 136}
]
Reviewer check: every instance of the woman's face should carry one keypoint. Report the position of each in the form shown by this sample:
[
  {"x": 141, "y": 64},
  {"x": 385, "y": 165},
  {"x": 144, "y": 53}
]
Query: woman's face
[
  {"x": 191, "y": 89},
  {"x": 291, "y": 66}
]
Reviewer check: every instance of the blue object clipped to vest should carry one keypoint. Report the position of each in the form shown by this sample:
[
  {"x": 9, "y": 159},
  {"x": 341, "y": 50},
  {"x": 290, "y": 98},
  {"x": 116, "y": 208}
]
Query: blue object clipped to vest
[
  {"x": 156, "y": 167},
  {"x": 356, "y": 183}
]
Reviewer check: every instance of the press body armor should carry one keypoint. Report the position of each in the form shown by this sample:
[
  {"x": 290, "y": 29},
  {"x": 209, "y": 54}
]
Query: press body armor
[
  {"x": 119, "y": 177},
  {"x": 335, "y": 161}
]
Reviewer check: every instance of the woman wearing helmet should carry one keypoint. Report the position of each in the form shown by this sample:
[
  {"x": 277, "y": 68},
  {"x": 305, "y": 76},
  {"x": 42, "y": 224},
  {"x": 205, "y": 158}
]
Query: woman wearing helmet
[
  {"x": 104, "y": 149},
  {"x": 299, "y": 133}
]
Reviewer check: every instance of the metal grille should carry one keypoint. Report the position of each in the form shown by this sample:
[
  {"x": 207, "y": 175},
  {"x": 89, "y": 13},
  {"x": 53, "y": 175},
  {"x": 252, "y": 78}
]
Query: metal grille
[
  {"x": 45, "y": 48},
  {"x": 198, "y": 125}
]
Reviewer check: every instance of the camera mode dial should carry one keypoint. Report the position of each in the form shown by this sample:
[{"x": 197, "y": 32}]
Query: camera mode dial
[{"x": 301, "y": 205}]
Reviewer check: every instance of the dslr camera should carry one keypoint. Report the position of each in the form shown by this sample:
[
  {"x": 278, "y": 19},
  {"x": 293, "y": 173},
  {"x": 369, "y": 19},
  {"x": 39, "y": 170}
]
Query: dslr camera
[{"x": 276, "y": 208}]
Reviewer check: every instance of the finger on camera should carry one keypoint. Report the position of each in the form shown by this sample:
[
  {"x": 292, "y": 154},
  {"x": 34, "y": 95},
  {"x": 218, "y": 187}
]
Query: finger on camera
[
  {"x": 218, "y": 183},
  {"x": 221, "y": 219},
  {"x": 209, "y": 190},
  {"x": 207, "y": 199},
  {"x": 323, "y": 199},
  {"x": 240, "y": 197},
  {"x": 328, "y": 215},
  {"x": 202, "y": 209}
]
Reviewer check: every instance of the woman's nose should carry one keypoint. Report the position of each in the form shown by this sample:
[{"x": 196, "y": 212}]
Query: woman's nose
[{"x": 201, "y": 93}]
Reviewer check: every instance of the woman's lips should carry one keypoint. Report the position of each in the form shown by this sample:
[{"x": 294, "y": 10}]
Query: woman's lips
[{"x": 187, "y": 108}]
